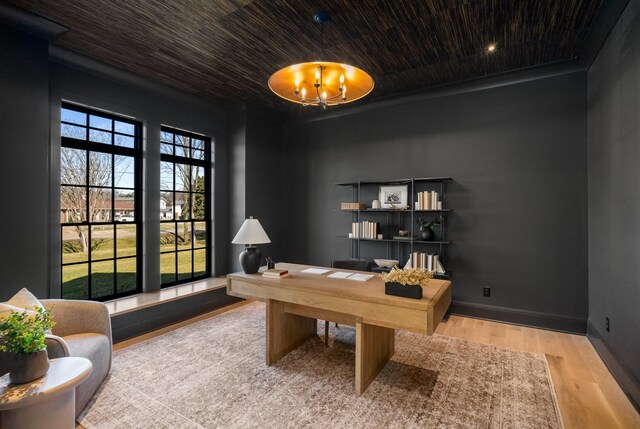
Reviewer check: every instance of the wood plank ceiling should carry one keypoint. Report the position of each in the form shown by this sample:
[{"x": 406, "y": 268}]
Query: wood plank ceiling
[{"x": 227, "y": 49}]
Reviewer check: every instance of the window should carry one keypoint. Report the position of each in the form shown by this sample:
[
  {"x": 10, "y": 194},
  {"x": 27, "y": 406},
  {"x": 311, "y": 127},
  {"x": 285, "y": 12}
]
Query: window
[
  {"x": 184, "y": 206},
  {"x": 100, "y": 171}
]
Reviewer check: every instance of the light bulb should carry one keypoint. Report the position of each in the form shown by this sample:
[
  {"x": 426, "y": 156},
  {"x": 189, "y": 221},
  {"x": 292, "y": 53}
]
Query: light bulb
[
  {"x": 317, "y": 74},
  {"x": 324, "y": 95},
  {"x": 304, "y": 92},
  {"x": 297, "y": 82},
  {"x": 341, "y": 79},
  {"x": 491, "y": 48}
]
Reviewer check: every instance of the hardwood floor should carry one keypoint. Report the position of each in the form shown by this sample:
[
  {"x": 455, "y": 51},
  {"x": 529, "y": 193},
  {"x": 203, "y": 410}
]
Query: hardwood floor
[{"x": 588, "y": 395}]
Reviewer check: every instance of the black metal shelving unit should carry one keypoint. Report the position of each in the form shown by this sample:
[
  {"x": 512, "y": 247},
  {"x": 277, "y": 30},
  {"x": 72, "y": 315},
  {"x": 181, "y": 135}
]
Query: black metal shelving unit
[{"x": 397, "y": 248}]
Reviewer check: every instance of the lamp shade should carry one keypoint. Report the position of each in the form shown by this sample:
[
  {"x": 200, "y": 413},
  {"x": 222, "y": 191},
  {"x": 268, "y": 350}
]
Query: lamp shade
[{"x": 251, "y": 232}]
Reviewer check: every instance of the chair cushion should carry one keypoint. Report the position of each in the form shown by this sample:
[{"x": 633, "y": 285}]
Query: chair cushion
[
  {"x": 94, "y": 347},
  {"x": 97, "y": 349}
]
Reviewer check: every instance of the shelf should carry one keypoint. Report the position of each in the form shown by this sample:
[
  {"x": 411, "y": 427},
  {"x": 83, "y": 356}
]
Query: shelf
[
  {"x": 432, "y": 179},
  {"x": 442, "y": 276},
  {"x": 379, "y": 210},
  {"x": 396, "y": 210},
  {"x": 377, "y": 183},
  {"x": 394, "y": 241},
  {"x": 396, "y": 181}
]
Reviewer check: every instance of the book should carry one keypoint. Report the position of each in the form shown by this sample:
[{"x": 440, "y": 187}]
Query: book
[{"x": 275, "y": 273}]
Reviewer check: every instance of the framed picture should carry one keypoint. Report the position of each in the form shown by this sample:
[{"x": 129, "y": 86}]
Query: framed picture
[{"x": 394, "y": 197}]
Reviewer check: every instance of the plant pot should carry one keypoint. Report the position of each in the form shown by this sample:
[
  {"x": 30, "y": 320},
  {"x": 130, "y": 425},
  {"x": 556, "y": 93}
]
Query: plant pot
[
  {"x": 427, "y": 234},
  {"x": 406, "y": 291},
  {"x": 28, "y": 367}
]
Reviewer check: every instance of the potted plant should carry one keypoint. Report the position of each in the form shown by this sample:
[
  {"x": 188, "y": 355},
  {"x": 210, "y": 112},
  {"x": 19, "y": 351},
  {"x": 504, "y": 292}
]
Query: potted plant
[
  {"x": 407, "y": 283},
  {"x": 426, "y": 227},
  {"x": 23, "y": 334}
]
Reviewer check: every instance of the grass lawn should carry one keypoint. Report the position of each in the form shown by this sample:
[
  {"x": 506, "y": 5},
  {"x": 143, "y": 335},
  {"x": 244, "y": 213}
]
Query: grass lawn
[{"x": 75, "y": 278}]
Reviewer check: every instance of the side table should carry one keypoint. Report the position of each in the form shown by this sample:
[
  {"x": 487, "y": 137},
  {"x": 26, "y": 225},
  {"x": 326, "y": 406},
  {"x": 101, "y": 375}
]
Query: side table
[{"x": 48, "y": 402}]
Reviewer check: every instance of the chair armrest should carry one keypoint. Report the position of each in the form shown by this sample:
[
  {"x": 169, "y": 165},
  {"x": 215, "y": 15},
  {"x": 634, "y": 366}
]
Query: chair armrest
[
  {"x": 79, "y": 317},
  {"x": 56, "y": 346}
]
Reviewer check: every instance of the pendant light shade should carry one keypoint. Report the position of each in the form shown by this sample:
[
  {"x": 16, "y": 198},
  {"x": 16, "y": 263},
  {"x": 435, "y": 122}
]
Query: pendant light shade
[
  {"x": 321, "y": 83},
  {"x": 338, "y": 83}
]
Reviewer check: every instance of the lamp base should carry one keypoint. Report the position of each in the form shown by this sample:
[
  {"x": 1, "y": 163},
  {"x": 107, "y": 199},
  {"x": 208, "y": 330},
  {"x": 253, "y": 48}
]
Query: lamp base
[{"x": 250, "y": 260}]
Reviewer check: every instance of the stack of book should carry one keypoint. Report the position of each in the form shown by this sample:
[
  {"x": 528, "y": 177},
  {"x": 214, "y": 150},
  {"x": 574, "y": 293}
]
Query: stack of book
[
  {"x": 429, "y": 200},
  {"x": 365, "y": 229},
  {"x": 428, "y": 261},
  {"x": 275, "y": 273},
  {"x": 353, "y": 206}
]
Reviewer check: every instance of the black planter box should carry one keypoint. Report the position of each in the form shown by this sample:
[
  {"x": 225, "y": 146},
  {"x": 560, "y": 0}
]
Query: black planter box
[{"x": 407, "y": 291}]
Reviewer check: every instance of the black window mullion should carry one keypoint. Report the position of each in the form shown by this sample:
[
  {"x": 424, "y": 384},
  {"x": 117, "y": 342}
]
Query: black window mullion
[
  {"x": 89, "y": 260},
  {"x": 193, "y": 234}
]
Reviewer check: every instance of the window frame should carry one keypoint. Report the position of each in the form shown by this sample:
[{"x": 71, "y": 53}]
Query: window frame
[
  {"x": 192, "y": 162},
  {"x": 113, "y": 150}
]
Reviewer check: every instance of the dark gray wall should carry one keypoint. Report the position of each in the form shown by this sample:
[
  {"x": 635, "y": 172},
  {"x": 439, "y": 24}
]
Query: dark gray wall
[
  {"x": 614, "y": 199},
  {"x": 264, "y": 135},
  {"x": 34, "y": 80},
  {"x": 24, "y": 176},
  {"x": 254, "y": 181},
  {"x": 517, "y": 154},
  {"x": 77, "y": 79}
]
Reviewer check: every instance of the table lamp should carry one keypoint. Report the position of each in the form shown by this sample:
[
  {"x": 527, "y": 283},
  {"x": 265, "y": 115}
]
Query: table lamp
[{"x": 250, "y": 233}]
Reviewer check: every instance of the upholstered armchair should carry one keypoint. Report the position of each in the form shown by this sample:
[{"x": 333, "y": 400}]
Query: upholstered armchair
[{"x": 83, "y": 329}]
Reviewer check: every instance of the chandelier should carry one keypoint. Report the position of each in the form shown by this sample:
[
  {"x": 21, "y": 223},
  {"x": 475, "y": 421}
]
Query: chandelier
[{"x": 321, "y": 83}]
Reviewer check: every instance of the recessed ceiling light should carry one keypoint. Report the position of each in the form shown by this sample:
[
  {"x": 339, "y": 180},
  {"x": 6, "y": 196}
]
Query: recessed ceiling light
[{"x": 491, "y": 48}]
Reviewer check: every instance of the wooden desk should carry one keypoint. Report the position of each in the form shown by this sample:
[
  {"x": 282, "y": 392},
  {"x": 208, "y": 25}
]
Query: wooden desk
[{"x": 296, "y": 301}]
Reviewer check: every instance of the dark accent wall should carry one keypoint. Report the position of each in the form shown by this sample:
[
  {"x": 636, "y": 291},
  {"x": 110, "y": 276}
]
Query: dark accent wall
[
  {"x": 73, "y": 78},
  {"x": 614, "y": 200},
  {"x": 254, "y": 185},
  {"x": 24, "y": 172},
  {"x": 264, "y": 136},
  {"x": 517, "y": 154}
]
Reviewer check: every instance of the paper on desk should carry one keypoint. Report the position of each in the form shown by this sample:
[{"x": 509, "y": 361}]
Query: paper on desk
[
  {"x": 315, "y": 271},
  {"x": 340, "y": 275},
  {"x": 360, "y": 277}
]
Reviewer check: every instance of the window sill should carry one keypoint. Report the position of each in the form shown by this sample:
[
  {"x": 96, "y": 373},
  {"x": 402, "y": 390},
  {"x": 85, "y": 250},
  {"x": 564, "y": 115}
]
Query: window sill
[{"x": 136, "y": 302}]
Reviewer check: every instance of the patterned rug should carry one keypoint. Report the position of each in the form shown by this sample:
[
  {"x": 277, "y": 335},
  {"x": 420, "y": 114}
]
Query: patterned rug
[{"x": 212, "y": 374}]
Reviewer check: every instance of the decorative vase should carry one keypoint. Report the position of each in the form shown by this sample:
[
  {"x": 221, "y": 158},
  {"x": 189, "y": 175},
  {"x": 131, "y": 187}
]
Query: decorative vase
[
  {"x": 28, "y": 367},
  {"x": 427, "y": 234},
  {"x": 406, "y": 291},
  {"x": 250, "y": 260}
]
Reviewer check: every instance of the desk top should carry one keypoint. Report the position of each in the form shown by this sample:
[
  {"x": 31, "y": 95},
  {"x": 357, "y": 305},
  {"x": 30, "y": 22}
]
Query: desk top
[
  {"x": 359, "y": 301},
  {"x": 371, "y": 290},
  {"x": 64, "y": 374}
]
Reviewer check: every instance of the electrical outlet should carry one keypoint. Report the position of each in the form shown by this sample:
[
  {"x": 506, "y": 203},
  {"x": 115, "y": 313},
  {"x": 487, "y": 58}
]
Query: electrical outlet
[
  {"x": 607, "y": 326},
  {"x": 486, "y": 291}
]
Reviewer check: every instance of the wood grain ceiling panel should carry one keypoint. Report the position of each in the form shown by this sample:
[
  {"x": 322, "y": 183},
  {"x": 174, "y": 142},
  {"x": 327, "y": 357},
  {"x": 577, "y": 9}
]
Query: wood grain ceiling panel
[{"x": 227, "y": 49}]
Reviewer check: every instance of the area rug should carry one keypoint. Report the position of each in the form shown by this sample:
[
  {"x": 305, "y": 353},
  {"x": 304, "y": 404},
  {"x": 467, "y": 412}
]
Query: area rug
[{"x": 212, "y": 374}]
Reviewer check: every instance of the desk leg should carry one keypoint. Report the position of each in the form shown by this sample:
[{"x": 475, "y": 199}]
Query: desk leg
[
  {"x": 285, "y": 331},
  {"x": 374, "y": 347}
]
